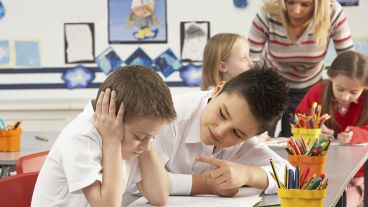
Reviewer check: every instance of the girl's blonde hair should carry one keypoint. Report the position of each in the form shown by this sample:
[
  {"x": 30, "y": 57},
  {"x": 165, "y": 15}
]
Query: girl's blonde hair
[
  {"x": 353, "y": 65},
  {"x": 218, "y": 48},
  {"x": 321, "y": 19}
]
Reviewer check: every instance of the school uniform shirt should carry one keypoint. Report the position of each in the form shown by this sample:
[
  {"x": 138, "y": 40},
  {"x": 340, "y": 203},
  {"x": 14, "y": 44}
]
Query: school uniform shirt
[
  {"x": 299, "y": 62},
  {"x": 181, "y": 143},
  {"x": 74, "y": 162},
  {"x": 349, "y": 119}
]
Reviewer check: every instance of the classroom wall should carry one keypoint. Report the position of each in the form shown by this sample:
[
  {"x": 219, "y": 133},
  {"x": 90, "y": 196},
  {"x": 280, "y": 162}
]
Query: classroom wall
[{"x": 43, "y": 20}]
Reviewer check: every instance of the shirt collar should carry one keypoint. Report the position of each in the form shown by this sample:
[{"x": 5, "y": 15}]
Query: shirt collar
[
  {"x": 88, "y": 111},
  {"x": 193, "y": 135}
]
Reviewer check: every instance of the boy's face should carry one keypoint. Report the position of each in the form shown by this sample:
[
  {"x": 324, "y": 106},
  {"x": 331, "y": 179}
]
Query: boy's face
[
  {"x": 138, "y": 134},
  {"x": 227, "y": 120}
]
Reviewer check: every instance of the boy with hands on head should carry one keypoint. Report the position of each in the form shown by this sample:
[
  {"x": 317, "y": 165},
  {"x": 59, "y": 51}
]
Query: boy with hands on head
[{"x": 96, "y": 154}]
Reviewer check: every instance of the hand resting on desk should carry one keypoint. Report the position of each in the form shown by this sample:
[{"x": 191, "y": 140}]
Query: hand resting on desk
[{"x": 226, "y": 177}]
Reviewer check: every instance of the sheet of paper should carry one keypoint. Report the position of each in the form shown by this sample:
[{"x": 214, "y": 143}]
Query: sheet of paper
[
  {"x": 246, "y": 197},
  {"x": 79, "y": 38}
]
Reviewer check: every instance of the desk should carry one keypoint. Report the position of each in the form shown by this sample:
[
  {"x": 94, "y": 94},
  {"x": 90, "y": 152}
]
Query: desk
[
  {"x": 28, "y": 145},
  {"x": 343, "y": 162}
]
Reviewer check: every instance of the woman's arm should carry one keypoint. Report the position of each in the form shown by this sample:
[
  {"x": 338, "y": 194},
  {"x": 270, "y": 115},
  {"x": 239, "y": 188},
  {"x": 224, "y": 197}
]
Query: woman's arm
[
  {"x": 340, "y": 31},
  {"x": 257, "y": 36}
]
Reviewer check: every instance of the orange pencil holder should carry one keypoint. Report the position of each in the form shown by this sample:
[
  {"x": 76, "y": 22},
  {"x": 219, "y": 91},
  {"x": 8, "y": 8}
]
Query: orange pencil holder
[
  {"x": 301, "y": 198},
  {"x": 308, "y": 135},
  {"x": 10, "y": 140},
  {"x": 314, "y": 163}
]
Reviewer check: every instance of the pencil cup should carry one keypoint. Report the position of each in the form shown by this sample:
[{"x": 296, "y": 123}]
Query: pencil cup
[
  {"x": 314, "y": 163},
  {"x": 301, "y": 198},
  {"x": 308, "y": 135},
  {"x": 10, "y": 140}
]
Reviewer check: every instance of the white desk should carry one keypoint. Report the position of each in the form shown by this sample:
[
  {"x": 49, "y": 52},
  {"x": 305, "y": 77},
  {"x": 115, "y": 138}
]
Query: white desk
[
  {"x": 28, "y": 145},
  {"x": 342, "y": 163}
]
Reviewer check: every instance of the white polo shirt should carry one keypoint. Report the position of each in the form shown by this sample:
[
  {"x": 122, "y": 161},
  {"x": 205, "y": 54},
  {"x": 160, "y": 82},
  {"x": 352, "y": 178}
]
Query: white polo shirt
[
  {"x": 181, "y": 143},
  {"x": 74, "y": 162}
]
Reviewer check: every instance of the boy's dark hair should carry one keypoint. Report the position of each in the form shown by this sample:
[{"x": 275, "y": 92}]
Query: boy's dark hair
[
  {"x": 142, "y": 91},
  {"x": 265, "y": 92}
]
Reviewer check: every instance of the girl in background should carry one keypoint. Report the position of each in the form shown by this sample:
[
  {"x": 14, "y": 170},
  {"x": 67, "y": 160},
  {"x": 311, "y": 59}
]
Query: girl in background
[
  {"x": 292, "y": 37},
  {"x": 225, "y": 56},
  {"x": 345, "y": 98}
]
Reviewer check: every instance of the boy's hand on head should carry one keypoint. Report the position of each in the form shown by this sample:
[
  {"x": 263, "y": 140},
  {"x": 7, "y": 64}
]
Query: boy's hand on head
[
  {"x": 225, "y": 175},
  {"x": 108, "y": 124},
  {"x": 345, "y": 137}
]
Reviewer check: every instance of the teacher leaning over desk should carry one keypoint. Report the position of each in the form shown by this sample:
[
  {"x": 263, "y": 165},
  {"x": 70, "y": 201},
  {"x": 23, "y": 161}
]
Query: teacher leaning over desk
[{"x": 292, "y": 36}]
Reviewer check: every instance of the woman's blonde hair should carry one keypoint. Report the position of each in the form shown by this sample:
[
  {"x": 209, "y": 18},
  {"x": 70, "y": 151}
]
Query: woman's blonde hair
[
  {"x": 321, "y": 19},
  {"x": 218, "y": 48}
]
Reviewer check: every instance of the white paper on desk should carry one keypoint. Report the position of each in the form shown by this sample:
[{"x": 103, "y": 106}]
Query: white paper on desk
[
  {"x": 246, "y": 197},
  {"x": 338, "y": 144}
]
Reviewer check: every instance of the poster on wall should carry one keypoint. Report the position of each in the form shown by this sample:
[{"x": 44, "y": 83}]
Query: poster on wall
[
  {"x": 4, "y": 53},
  {"x": 349, "y": 2},
  {"x": 27, "y": 53},
  {"x": 193, "y": 39},
  {"x": 79, "y": 42},
  {"x": 137, "y": 21}
]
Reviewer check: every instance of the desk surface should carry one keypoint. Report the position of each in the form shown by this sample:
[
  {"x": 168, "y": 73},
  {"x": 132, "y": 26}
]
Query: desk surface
[
  {"x": 29, "y": 145},
  {"x": 342, "y": 163}
]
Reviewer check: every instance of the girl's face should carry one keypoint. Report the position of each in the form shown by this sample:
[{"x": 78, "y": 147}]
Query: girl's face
[
  {"x": 299, "y": 11},
  {"x": 346, "y": 89},
  {"x": 238, "y": 61}
]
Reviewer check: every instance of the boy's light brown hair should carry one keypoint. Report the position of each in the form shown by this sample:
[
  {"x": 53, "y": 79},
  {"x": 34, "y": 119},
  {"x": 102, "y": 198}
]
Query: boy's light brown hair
[{"x": 142, "y": 91}]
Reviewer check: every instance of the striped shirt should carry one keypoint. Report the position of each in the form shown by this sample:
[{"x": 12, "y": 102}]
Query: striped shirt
[{"x": 301, "y": 63}]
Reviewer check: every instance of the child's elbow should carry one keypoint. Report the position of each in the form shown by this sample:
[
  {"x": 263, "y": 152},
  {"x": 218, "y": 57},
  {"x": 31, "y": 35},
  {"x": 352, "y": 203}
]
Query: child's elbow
[{"x": 159, "y": 200}]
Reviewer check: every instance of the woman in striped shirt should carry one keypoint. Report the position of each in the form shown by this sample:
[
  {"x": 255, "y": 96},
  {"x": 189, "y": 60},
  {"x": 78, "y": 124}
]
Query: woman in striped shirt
[{"x": 292, "y": 36}]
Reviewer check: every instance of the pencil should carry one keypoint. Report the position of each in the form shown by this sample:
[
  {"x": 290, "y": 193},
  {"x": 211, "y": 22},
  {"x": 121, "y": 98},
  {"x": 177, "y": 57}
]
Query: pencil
[
  {"x": 44, "y": 139},
  {"x": 275, "y": 173}
]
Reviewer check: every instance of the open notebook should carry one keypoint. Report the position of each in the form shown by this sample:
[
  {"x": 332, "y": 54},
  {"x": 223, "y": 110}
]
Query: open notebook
[{"x": 246, "y": 197}]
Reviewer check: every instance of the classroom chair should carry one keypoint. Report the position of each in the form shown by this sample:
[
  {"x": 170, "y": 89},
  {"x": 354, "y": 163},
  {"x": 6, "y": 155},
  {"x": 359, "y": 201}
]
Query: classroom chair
[
  {"x": 17, "y": 190},
  {"x": 31, "y": 163}
]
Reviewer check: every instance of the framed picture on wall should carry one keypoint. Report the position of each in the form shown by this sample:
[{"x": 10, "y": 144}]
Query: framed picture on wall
[
  {"x": 193, "y": 39},
  {"x": 79, "y": 43},
  {"x": 137, "y": 21},
  {"x": 349, "y": 2}
]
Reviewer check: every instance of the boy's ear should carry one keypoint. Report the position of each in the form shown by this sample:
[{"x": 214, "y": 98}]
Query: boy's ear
[
  {"x": 218, "y": 88},
  {"x": 223, "y": 68}
]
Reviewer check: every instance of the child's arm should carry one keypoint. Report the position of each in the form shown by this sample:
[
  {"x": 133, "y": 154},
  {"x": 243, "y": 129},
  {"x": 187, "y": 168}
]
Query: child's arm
[
  {"x": 229, "y": 175},
  {"x": 359, "y": 134},
  {"x": 110, "y": 127},
  {"x": 205, "y": 184},
  {"x": 154, "y": 185}
]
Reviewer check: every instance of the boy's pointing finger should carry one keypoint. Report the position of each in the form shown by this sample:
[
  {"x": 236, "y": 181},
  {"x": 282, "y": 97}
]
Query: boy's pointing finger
[{"x": 209, "y": 160}]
